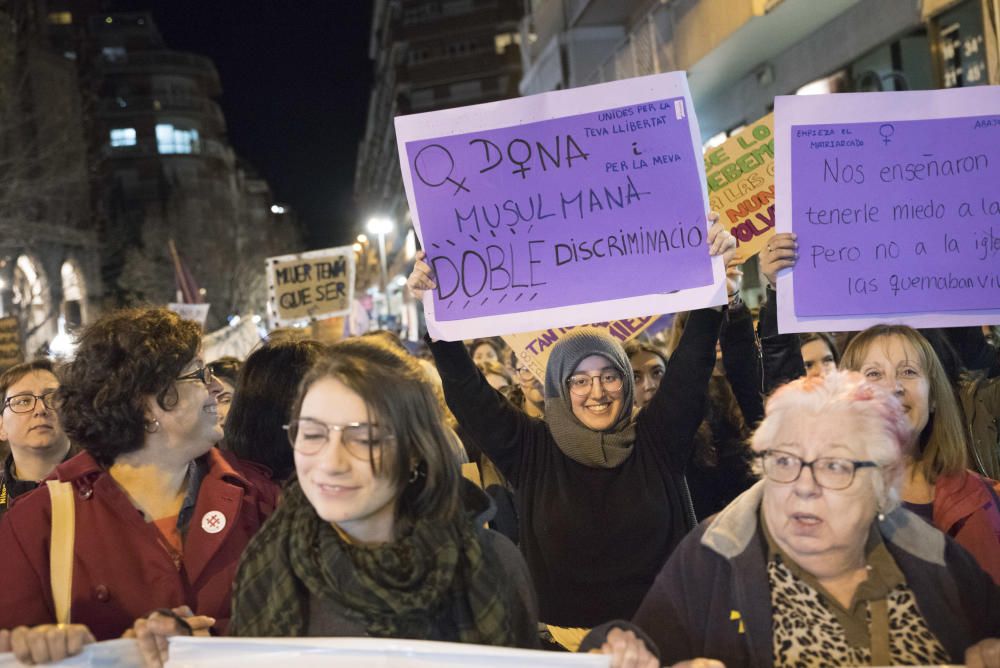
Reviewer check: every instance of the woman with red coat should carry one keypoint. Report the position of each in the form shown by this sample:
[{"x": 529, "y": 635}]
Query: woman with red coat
[{"x": 161, "y": 517}]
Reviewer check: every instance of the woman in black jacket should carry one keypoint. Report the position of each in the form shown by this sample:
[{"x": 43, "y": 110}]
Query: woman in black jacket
[{"x": 598, "y": 491}]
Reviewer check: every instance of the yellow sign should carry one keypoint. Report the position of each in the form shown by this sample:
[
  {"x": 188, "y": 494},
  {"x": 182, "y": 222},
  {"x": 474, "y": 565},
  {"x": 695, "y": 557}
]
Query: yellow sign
[
  {"x": 740, "y": 176},
  {"x": 10, "y": 343},
  {"x": 310, "y": 286},
  {"x": 533, "y": 348}
]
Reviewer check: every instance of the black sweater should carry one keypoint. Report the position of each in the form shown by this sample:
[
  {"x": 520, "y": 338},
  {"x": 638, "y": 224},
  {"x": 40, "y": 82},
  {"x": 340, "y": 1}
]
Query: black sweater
[{"x": 594, "y": 538}]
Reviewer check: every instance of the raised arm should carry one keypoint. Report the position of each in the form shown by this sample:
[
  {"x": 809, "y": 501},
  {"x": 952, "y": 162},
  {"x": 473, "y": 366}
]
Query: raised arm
[
  {"x": 678, "y": 407},
  {"x": 742, "y": 360},
  {"x": 782, "y": 353},
  {"x": 501, "y": 430}
]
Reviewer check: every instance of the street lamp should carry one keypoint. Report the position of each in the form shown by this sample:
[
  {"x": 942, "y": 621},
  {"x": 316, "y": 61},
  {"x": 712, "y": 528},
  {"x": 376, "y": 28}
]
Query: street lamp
[{"x": 381, "y": 226}]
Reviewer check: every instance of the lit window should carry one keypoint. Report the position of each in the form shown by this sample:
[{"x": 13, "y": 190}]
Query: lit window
[
  {"x": 123, "y": 137},
  {"x": 170, "y": 139},
  {"x": 61, "y": 18},
  {"x": 114, "y": 54},
  {"x": 503, "y": 40}
]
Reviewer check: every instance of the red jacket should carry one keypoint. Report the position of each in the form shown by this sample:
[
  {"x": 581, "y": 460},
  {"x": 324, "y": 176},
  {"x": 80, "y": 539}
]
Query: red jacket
[
  {"x": 965, "y": 509},
  {"x": 121, "y": 569}
]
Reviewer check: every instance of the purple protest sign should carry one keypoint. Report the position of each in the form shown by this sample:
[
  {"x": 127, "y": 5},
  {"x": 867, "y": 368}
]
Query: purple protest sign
[
  {"x": 572, "y": 210},
  {"x": 896, "y": 217}
]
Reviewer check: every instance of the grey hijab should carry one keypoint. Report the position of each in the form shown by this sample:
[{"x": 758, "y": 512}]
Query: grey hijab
[{"x": 599, "y": 449}]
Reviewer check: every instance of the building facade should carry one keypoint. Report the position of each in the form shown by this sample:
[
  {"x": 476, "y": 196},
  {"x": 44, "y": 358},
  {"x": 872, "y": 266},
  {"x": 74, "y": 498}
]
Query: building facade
[
  {"x": 740, "y": 54},
  {"x": 168, "y": 173},
  {"x": 49, "y": 253},
  {"x": 428, "y": 55}
]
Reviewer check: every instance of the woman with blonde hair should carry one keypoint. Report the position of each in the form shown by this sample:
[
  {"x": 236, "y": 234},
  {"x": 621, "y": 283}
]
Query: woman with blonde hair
[{"x": 937, "y": 485}]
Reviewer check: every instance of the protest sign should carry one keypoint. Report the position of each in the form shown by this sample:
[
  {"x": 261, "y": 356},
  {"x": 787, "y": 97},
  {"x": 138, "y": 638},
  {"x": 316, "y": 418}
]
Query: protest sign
[
  {"x": 557, "y": 209},
  {"x": 11, "y": 352},
  {"x": 740, "y": 176},
  {"x": 195, "y": 312},
  {"x": 188, "y": 652},
  {"x": 533, "y": 348},
  {"x": 895, "y": 201},
  {"x": 231, "y": 341},
  {"x": 310, "y": 286}
]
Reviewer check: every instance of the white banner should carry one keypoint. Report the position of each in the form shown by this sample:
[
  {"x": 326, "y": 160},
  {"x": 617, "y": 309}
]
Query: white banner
[{"x": 362, "y": 653}]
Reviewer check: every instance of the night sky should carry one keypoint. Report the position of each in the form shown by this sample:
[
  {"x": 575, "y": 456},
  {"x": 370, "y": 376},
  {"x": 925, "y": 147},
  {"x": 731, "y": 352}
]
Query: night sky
[{"x": 296, "y": 79}]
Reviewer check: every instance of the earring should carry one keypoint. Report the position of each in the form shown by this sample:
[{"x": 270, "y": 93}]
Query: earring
[
  {"x": 152, "y": 427},
  {"x": 414, "y": 474},
  {"x": 881, "y": 517}
]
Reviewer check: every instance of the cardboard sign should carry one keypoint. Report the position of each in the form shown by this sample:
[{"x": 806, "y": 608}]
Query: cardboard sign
[
  {"x": 896, "y": 204},
  {"x": 195, "y": 312},
  {"x": 310, "y": 286},
  {"x": 740, "y": 175},
  {"x": 11, "y": 352},
  {"x": 560, "y": 209},
  {"x": 534, "y": 348}
]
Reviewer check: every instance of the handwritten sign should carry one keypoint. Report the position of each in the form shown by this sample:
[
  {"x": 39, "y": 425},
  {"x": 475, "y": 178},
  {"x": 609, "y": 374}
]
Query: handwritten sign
[
  {"x": 559, "y": 210},
  {"x": 11, "y": 352},
  {"x": 896, "y": 204},
  {"x": 310, "y": 286},
  {"x": 740, "y": 175},
  {"x": 195, "y": 312},
  {"x": 534, "y": 348}
]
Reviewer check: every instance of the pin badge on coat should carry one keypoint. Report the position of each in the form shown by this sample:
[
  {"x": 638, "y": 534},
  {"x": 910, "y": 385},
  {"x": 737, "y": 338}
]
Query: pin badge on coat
[{"x": 213, "y": 521}]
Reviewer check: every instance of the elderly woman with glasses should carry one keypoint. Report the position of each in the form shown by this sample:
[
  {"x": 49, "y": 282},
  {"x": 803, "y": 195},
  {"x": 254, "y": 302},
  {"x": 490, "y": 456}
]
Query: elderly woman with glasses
[
  {"x": 817, "y": 564},
  {"x": 161, "y": 517},
  {"x": 598, "y": 489}
]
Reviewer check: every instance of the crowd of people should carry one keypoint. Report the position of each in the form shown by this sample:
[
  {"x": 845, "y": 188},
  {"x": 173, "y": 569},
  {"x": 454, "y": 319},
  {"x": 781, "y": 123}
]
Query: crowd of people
[{"x": 737, "y": 497}]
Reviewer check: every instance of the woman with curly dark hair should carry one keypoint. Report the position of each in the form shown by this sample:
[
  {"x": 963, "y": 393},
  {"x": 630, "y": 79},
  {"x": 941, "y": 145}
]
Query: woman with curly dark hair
[{"x": 161, "y": 517}]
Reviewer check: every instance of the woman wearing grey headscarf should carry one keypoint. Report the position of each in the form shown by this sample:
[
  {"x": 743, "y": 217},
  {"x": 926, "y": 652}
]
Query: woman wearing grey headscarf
[{"x": 597, "y": 488}]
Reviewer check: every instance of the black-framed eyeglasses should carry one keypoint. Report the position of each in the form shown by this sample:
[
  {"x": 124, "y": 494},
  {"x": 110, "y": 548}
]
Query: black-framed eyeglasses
[
  {"x": 581, "y": 384},
  {"x": 309, "y": 436},
  {"x": 833, "y": 473},
  {"x": 204, "y": 374},
  {"x": 25, "y": 403}
]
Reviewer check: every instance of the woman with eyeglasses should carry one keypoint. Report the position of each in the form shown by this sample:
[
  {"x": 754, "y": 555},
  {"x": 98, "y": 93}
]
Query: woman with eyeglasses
[
  {"x": 597, "y": 487},
  {"x": 30, "y": 426},
  {"x": 377, "y": 534},
  {"x": 816, "y": 565},
  {"x": 161, "y": 517}
]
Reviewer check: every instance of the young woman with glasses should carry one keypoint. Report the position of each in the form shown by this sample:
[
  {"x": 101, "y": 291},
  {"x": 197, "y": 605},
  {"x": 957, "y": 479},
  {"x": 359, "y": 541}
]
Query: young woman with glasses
[
  {"x": 598, "y": 489},
  {"x": 161, "y": 517},
  {"x": 377, "y": 534}
]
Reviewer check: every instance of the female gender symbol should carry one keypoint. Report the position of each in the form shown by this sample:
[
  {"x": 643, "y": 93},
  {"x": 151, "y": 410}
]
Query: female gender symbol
[
  {"x": 430, "y": 167},
  {"x": 886, "y": 130}
]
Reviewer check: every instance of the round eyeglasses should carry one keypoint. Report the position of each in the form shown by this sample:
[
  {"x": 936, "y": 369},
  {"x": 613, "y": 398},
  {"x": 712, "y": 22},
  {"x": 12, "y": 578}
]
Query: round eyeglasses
[
  {"x": 308, "y": 436},
  {"x": 25, "y": 403},
  {"x": 581, "y": 384},
  {"x": 833, "y": 473}
]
